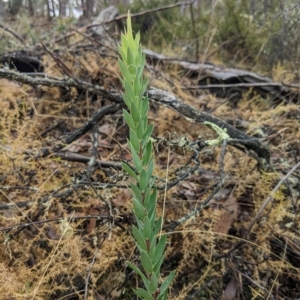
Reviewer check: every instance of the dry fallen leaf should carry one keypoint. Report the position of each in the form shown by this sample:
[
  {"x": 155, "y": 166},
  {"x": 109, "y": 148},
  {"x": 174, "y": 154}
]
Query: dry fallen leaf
[
  {"x": 228, "y": 213},
  {"x": 230, "y": 290}
]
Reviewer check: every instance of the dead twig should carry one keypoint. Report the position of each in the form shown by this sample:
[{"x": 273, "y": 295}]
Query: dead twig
[{"x": 12, "y": 32}]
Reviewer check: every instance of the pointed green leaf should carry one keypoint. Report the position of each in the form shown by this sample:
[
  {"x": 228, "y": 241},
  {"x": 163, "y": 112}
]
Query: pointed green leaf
[
  {"x": 137, "y": 161},
  {"x": 130, "y": 58},
  {"x": 127, "y": 169},
  {"x": 139, "y": 238},
  {"x": 140, "y": 226},
  {"x": 162, "y": 296},
  {"x": 139, "y": 272},
  {"x": 147, "y": 228},
  {"x": 147, "y": 198},
  {"x": 132, "y": 70},
  {"x": 148, "y": 132},
  {"x": 157, "y": 266},
  {"x": 145, "y": 123},
  {"x": 139, "y": 209},
  {"x": 150, "y": 170},
  {"x": 152, "y": 248},
  {"x": 151, "y": 208},
  {"x": 146, "y": 262},
  {"x": 153, "y": 283},
  {"x": 145, "y": 106},
  {"x": 167, "y": 282},
  {"x": 125, "y": 72},
  {"x": 136, "y": 191},
  {"x": 143, "y": 181},
  {"x": 143, "y": 294},
  {"x": 134, "y": 140},
  {"x": 137, "y": 84},
  {"x": 129, "y": 120},
  {"x": 140, "y": 129},
  {"x": 151, "y": 182},
  {"x": 145, "y": 85},
  {"x": 122, "y": 53},
  {"x": 147, "y": 155},
  {"x": 125, "y": 99},
  {"x": 135, "y": 113},
  {"x": 129, "y": 92},
  {"x": 150, "y": 198},
  {"x": 160, "y": 248},
  {"x": 157, "y": 226}
]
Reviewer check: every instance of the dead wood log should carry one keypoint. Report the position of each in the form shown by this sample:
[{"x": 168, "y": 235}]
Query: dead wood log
[{"x": 221, "y": 81}]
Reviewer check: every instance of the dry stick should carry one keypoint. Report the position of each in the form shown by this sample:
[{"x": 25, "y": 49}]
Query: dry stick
[
  {"x": 59, "y": 82},
  {"x": 124, "y": 16},
  {"x": 230, "y": 85},
  {"x": 12, "y": 32},
  {"x": 256, "y": 284},
  {"x": 237, "y": 138},
  {"x": 24, "y": 225},
  {"x": 270, "y": 197},
  {"x": 71, "y": 156},
  {"x": 275, "y": 280}
]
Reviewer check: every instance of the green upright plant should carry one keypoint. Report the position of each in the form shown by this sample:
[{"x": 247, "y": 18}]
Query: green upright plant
[{"x": 151, "y": 245}]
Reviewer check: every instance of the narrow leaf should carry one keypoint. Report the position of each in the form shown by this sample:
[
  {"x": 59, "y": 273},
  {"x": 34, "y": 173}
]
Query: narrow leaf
[
  {"x": 146, "y": 262},
  {"x": 122, "y": 53},
  {"x": 147, "y": 198},
  {"x": 162, "y": 296},
  {"x": 137, "y": 83},
  {"x": 129, "y": 120},
  {"x": 134, "y": 140},
  {"x": 139, "y": 272},
  {"x": 157, "y": 226},
  {"x": 145, "y": 106},
  {"x": 129, "y": 92},
  {"x": 147, "y": 228},
  {"x": 139, "y": 209},
  {"x": 131, "y": 61},
  {"x": 125, "y": 72},
  {"x": 125, "y": 99},
  {"x": 150, "y": 201},
  {"x": 150, "y": 170},
  {"x": 160, "y": 248},
  {"x": 135, "y": 113},
  {"x": 136, "y": 191},
  {"x": 127, "y": 169},
  {"x": 139, "y": 238},
  {"x": 143, "y": 294},
  {"x": 148, "y": 132},
  {"x": 167, "y": 282},
  {"x": 153, "y": 283},
  {"x": 147, "y": 154},
  {"x": 137, "y": 161},
  {"x": 140, "y": 129},
  {"x": 143, "y": 181},
  {"x": 152, "y": 248},
  {"x": 156, "y": 267}
]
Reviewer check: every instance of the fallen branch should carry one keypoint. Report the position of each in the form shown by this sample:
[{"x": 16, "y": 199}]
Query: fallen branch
[{"x": 238, "y": 139}]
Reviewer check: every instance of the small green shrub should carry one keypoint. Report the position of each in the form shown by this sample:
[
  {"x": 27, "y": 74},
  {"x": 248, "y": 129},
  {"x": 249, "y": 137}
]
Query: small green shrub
[{"x": 150, "y": 244}]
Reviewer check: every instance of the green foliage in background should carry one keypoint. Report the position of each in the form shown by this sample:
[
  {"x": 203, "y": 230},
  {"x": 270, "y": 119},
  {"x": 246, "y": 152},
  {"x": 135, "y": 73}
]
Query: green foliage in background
[
  {"x": 256, "y": 33},
  {"x": 151, "y": 245}
]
